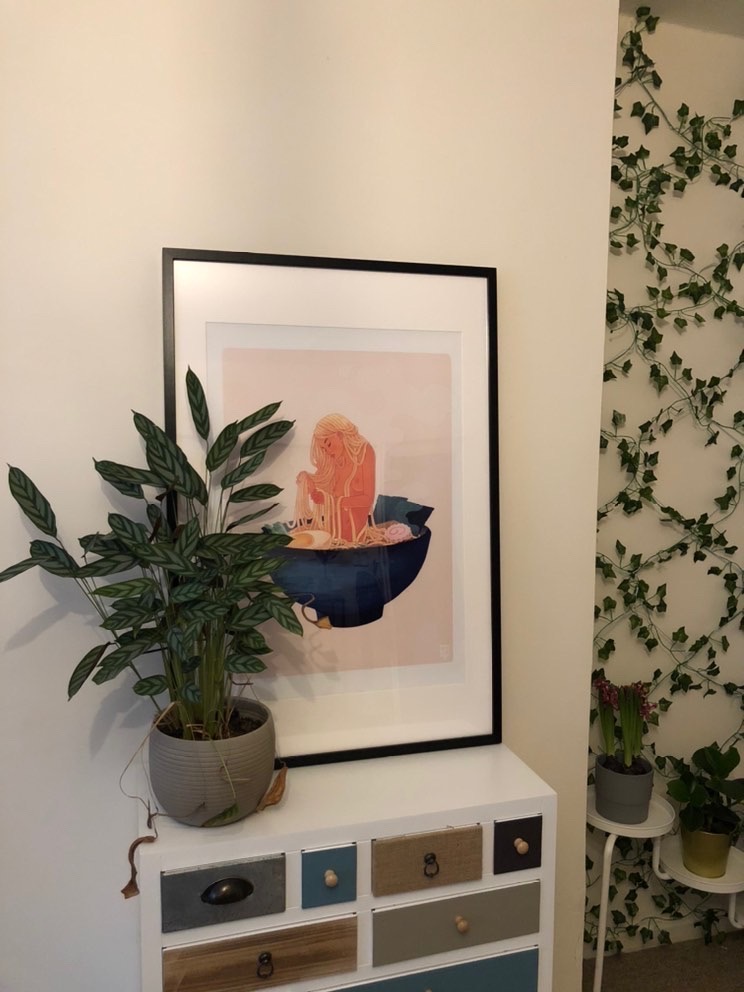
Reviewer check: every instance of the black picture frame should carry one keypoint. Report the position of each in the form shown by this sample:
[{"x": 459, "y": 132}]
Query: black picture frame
[{"x": 401, "y": 317}]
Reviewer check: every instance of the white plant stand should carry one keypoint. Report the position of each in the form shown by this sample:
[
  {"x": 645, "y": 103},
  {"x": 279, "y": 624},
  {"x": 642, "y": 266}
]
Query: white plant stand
[
  {"x": 730, "y": 884},
  {"x": 658, "y": 823}
]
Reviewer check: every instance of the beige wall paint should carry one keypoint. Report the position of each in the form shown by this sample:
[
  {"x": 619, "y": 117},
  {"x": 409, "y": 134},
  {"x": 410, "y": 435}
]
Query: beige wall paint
[{"x": 465, "y": 131}]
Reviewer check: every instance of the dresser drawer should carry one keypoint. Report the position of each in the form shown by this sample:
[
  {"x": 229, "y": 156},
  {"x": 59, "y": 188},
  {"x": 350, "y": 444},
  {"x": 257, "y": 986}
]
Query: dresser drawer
[
  {"x": 517, "y": 844},
  {"x": 504, "y": 973},
  {"x": 220, "y": 893},
  {"x": 443, "y": 925},
  {"x": 263, "y": 959},
  {"x": 427, "y": 860},
  {"x": 329, "y": 876}
]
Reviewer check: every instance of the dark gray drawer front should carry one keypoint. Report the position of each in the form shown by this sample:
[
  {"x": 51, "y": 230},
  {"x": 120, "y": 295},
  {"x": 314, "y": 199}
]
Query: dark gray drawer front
[
  {"x": 234, "y": 890},
  {"x": 442, "y": 925}
]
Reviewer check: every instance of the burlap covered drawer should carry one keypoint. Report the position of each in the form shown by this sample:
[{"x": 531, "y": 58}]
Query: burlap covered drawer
[{"x": 421, "y": 861}]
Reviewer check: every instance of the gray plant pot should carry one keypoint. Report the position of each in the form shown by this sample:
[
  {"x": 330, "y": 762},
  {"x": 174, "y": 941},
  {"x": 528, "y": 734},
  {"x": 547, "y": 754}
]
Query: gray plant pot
[
  {"x": 622, "y": 798},
  {"x": 197, "y": 781}
]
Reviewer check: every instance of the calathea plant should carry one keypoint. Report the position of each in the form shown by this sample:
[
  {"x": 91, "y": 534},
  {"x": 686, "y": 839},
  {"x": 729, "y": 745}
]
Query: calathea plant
[{"x": 178, "y": 581}]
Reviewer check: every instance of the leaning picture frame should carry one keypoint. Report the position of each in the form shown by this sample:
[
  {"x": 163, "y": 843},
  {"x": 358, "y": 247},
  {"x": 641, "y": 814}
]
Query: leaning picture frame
[{"x": 389, "y": 484}]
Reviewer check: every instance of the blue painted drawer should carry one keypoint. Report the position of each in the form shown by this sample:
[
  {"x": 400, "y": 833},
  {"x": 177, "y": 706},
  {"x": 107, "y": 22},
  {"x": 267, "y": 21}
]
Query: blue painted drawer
[
  {"x": 329, "y": 876},
  {"x": 505, "y": 973}
]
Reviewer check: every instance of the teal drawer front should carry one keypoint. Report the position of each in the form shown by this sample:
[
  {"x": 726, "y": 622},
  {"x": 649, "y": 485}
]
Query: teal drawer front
[
  {"x": 329, "y": 876},
  {"x": 505, "y": 973}
]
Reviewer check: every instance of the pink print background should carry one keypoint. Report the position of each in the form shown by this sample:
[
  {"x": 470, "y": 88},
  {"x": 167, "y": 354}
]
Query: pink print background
[{"x": 402, "y": 404}]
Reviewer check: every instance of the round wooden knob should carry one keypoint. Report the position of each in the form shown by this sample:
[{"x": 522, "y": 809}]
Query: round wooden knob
[
  {"x": 330, "y": 878},
  {"x": 462, "y": 924},
  {"x": 521, "y": 846}
]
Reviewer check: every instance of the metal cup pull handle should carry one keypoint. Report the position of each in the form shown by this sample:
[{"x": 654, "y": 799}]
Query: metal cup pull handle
[
  {"x": 265, "y": 967},
  {"x": 431, "y": 865}
]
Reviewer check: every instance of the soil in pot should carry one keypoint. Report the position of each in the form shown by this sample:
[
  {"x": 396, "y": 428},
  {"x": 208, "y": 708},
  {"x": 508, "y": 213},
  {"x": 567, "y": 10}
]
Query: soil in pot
[{"x": 211, "y": 783}]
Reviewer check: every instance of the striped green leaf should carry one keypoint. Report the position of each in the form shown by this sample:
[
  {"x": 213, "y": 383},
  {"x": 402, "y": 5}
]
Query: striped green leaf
[
  {"x": 120, "y": 658},
  {"x": 153, "y": 685},
  {"x": 33, "y": 503},
  {"x": 54, "y": 559},
  {"x": 249, "y": 617},
  {"x": 167, "y": 460},
  {"x": 205, "y": 611},
  {"x": 83, "y": 669},
  {"x": 101, "y": 544},
  {"x": 262, "y": 491},
  {"x": 251, "y": 516},
  {"x": 222, "y": 447},
  {"x": 176, "y": 642},
  {"x": 243, "y": 471},
  {"x": 282, "y": 612},
  {"x": 109, "y": 565},
  {"x": 132, "y": 616},
  {"x": 188, "y": 538},
  {"x": 127, "y": 589},
  {"x": 247, "y": 574},
  {"x": 129, "y": 532},
  {"x": 244, "y": 664},
  {"x": 184, "y": 592},
  {"x": 264, "y": 437},
  {"x": 166, "y": 558},
  {"x": 190, "y": 692},
  {"x": 252, "y": 642},
  {"x": 265, "y": 413},
  {"x": 197, "y": 404},
  {"x": 13, "y": 570},
  {"x": 117, "y": 474}
]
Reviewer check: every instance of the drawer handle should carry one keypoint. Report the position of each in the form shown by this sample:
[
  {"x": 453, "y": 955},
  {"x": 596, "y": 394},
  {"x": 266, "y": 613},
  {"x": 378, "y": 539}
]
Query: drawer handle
[
  {"x": 431, "y": 865},
  {"x": 265, "y": 965},
  {"x": 462, "y": 924},
  {"x": 521, "y": 846},
  {"x": 227, "y": 890},
  {"x": 330, "y": 878}
]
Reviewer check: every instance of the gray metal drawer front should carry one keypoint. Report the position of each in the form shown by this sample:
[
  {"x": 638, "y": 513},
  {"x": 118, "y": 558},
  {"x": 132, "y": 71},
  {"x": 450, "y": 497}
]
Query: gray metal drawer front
[
  {"x": 443, "y": 925},
  {"x": 233, "y": 890}
]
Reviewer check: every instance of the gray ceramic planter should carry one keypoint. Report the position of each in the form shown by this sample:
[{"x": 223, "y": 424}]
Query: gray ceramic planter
[
  {"x": 196, "y": 781},
  {"x": 622, "y": 798}
]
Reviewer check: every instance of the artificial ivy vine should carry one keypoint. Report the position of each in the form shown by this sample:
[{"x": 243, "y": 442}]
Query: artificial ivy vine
[{"x": 686, "y": 295}]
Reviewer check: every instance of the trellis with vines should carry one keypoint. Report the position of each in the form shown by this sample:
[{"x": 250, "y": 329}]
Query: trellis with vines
[{"x": 685, "y": 294}]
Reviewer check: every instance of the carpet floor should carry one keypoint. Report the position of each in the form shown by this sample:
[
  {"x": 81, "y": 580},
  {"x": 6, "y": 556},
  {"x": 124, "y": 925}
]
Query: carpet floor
[{"x": 688, "y": 966}]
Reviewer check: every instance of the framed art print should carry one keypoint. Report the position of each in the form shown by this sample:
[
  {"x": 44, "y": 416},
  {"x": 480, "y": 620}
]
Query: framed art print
[{"x": 389, "y": 485}]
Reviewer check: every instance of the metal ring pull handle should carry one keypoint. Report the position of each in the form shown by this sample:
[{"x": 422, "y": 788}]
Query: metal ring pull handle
[
  {"x": 265, "y": 965},
  {"x": 431, "y": 865}
]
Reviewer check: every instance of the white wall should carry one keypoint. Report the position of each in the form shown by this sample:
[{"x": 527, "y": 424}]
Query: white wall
[{"x": 465, "y": 131}]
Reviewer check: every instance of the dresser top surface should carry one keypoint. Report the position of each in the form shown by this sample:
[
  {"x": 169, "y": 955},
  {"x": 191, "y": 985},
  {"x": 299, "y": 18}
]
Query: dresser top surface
[{"x": 342, "y": 797}]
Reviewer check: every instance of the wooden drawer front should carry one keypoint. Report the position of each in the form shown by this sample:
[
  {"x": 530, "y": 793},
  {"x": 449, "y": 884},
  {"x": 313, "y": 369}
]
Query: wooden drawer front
[
  {"x": 263, "y": 960},
  {"x": 443, "y": 925},
  {"x": 423, "y": 861},
  {"x": 233, "y": 890},
  {"x": 517, "y": 844},
  {"x": 329, "y": 876},
  {"x": 505, "y": 973}
]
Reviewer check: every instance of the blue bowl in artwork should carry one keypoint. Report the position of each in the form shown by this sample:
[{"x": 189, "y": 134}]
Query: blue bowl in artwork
[{"x": 350, "y": 586}]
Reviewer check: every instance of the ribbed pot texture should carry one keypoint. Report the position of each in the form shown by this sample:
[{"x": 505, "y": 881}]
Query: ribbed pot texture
[{"x": 197, "y": 781}]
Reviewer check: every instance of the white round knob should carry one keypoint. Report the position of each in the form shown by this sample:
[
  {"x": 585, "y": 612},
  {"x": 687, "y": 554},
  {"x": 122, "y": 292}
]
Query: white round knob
[
  {"x": 521, "y": 846},
  {"x": 330, "y": 878}
]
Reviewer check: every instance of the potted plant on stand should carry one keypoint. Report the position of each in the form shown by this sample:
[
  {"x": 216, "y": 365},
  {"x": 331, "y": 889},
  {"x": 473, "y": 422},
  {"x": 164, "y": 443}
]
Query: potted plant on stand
[
  {"x": 623, "y": 778},
  {"x": 710, "y": 813},
  {"x": 181, "y": 592}
]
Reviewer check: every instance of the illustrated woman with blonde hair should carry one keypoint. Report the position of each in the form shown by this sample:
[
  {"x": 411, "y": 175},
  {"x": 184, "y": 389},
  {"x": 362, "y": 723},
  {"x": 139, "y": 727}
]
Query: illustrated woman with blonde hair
[{"x": 338, "y": 496}]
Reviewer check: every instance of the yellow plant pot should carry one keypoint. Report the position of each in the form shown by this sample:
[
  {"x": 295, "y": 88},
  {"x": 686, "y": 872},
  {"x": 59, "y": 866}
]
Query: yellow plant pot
[{"x": 704, "y": 853}]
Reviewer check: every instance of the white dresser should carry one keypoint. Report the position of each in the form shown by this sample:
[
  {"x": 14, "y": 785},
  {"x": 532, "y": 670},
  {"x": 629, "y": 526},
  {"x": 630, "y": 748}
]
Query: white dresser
[{"x": 427, "y": 872}]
